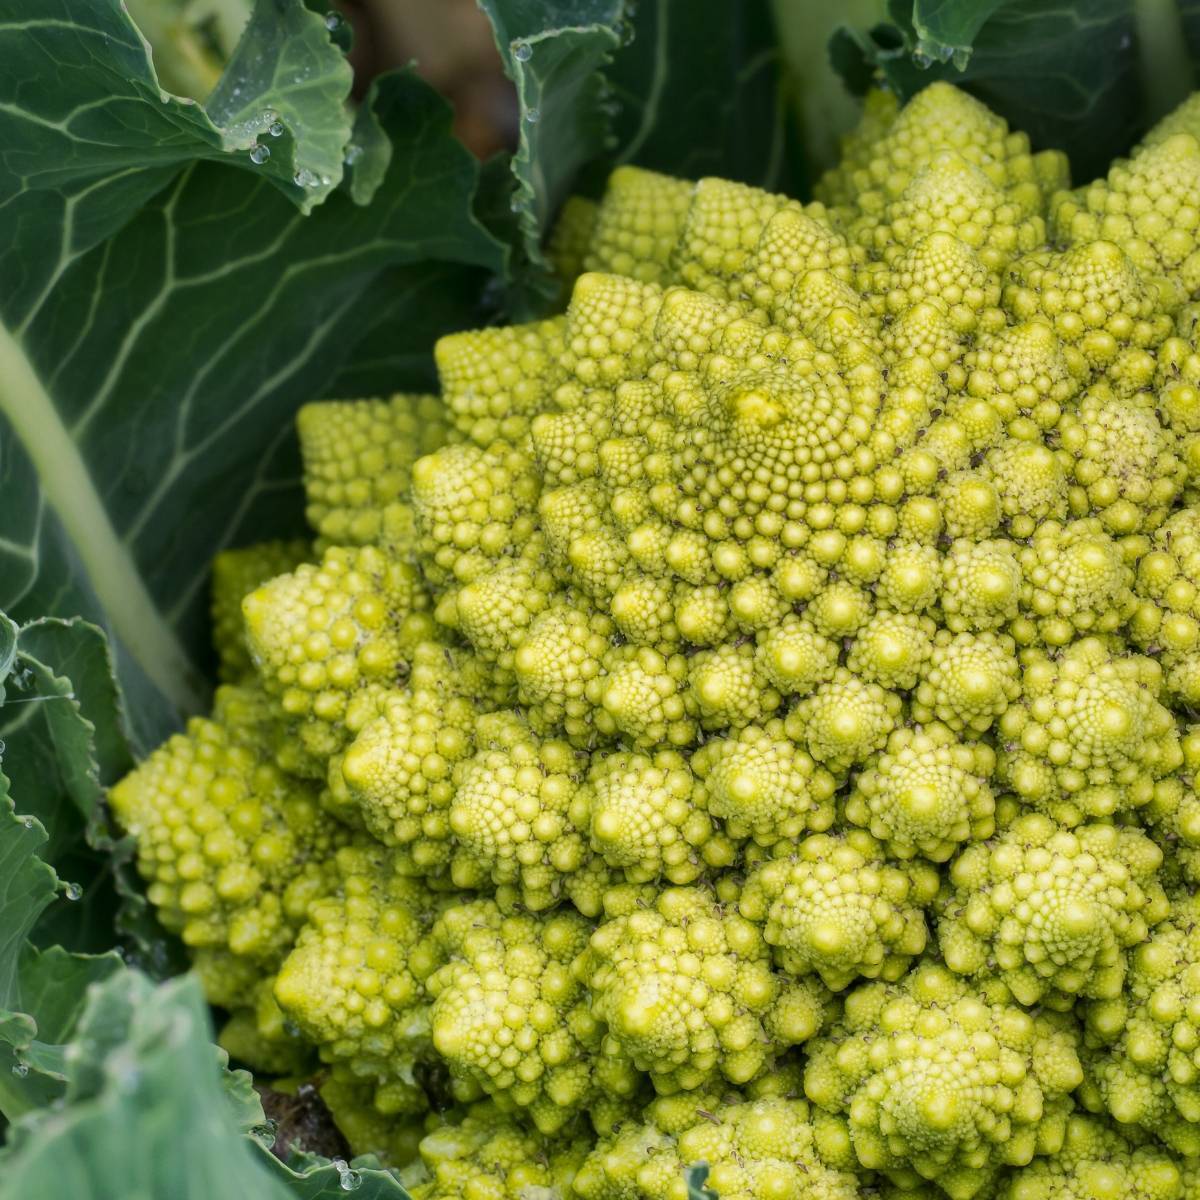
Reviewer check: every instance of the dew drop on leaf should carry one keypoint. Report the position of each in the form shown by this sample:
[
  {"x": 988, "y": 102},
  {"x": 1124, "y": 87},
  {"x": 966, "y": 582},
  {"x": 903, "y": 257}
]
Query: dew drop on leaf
[
  {"x": 20, "y": 1070},
  {"x": 276, "y": 129},
  {"x": 73, "y": 891},
  {"x": 522, "y": 51},
  {"x": 533, "y": 116},
  {"x": 333, "y": 21},
  {"x": 260, "y": 154}
]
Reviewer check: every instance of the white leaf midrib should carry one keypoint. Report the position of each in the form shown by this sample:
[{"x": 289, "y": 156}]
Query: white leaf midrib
[{"x": 67, "y": 484}]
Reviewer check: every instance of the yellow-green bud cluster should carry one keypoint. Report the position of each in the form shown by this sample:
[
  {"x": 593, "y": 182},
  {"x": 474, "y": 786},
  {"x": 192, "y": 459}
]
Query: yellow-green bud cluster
[
  {"x": 835, "y": 906},
  {"x": 1052, "y": 912},
  {"x": 687, "y": 993},
  {"x": 933, "y": 1077}
]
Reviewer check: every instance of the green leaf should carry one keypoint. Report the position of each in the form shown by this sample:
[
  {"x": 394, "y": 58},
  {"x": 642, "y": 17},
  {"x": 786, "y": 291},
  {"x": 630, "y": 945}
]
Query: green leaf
[
  {"x": 1065, "y": 73},
  {"x": 60, "y": 729},
  {"x": 555, "y": 53},
  {"x": 146, "y": 1113},
  {"x": 697, "y": 1179},
  {"x": 701, "y": 92},
  {"x": 127, "y": 468}
]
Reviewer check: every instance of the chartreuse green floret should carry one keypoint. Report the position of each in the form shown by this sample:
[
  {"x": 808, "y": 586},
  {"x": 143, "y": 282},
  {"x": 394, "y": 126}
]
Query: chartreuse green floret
[
  {"x": 494, "y": 380},
  {"x": 327, "y": 630},
  {"x": 1050, "y": 911},
  {"x": 1030, "y": 482},
  {"x": 235, "y": 574},
  {"x": 358, "y": 457},
  {"x": 571, "y": 237},
  {"x": 925, "y": 793},
  {"x": 396, "y": 774},
  {"x": 520, "y": 816},
  {"x": 257, "y": 1035},
  {"x": 844, "y": 720},
  {"x": 642, "y": 695},
  {"x": 1143, "y": 1061},
  {"x": 968, "y": 681},
  {"x": 638, "y": 224},
  {"x": 934, "y": 1078},
  {"x": 354, "y": 984},
  {"x": 756, "y": 1149},
  {"x": 1125, "y": 466},
  {"x": 981, "y": 585},
  {"x": 761, "y": 785},
  {"x": 486, "y": 1154},
  {"x": 687, "y": 992},
  {"x": 649, "y": 818},
  {"x": 509, "y": 1017},
  {"x": 1075, "y": 582},
  {"x": 232, "y": 849},
  {"x": 891, "y": 649},
  {"x": 1088, "y": 737},
  {"x": 1097, "y": 1162},
  {"x": 1146, "y": 204},
  {"x": 1167, "y": 619},
  {"x": 795, "y": 656},
  {"x": 834, "y": 905}
]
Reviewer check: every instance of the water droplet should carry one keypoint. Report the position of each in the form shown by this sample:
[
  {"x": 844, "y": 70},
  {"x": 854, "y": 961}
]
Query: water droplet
[
  {"x": 259, "y": 155},
  {"x": 522, "y": 51},
  {"x": 73, "y": 891},
  {"x": 922, "y": 60},
  {"x": 333, "y": 21},
  {"x": 349, "y": 1180},
  {"x": 20, "y": 1070},
  {"x": 353, "y": 153},
  {"x": 305, "y": 178},
  {"x": 516, "y": 203},
  {"x": 533, "y": 116},
  {"x": 276, "y": 129},
  {"x": 27, "y": 822},
  {"x": 2, "y": 746},
  {"x": 325, "y": 181}
]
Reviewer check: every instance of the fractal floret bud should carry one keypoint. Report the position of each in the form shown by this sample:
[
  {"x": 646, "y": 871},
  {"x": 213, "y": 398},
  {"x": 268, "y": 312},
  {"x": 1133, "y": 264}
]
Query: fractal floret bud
[
  {"x": 231, "y": 848},
  {"x": 486, "y": 1152},
  {"x": 328, "y": 630},
  {"x": 397, "y": 773},
  {"x": 1098, "y": 1162},
  {"x": 354, "y": 983},
  {"x": 1089, "y": 736},
  {"x": 754, "y": 1148},
  {"x": 970, "y": 680},
  {"x": 761, "y": 785},
  {"x": 495, "y": 380},
  {"x": 649, "y": 819},
  {"x": 235, "y": 574},
  {"x": 1076, "y": 582},
  {"x": 1167, "y": 620},
  {"x": 1052, "y": 912},
  {"x": 358, "y": 457},
  {"x": 520, "y": 820},
  {"x": 1143, "y": 1058},
  {"x": 509, "y": 1017},
  {"x": 844, "y": 721},
  {"x": 935, "y": 1078},
  {"x": 925, "y": 794},
  {"x": 687, "y": 992},
  {"x": 834, "y": 905}
]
